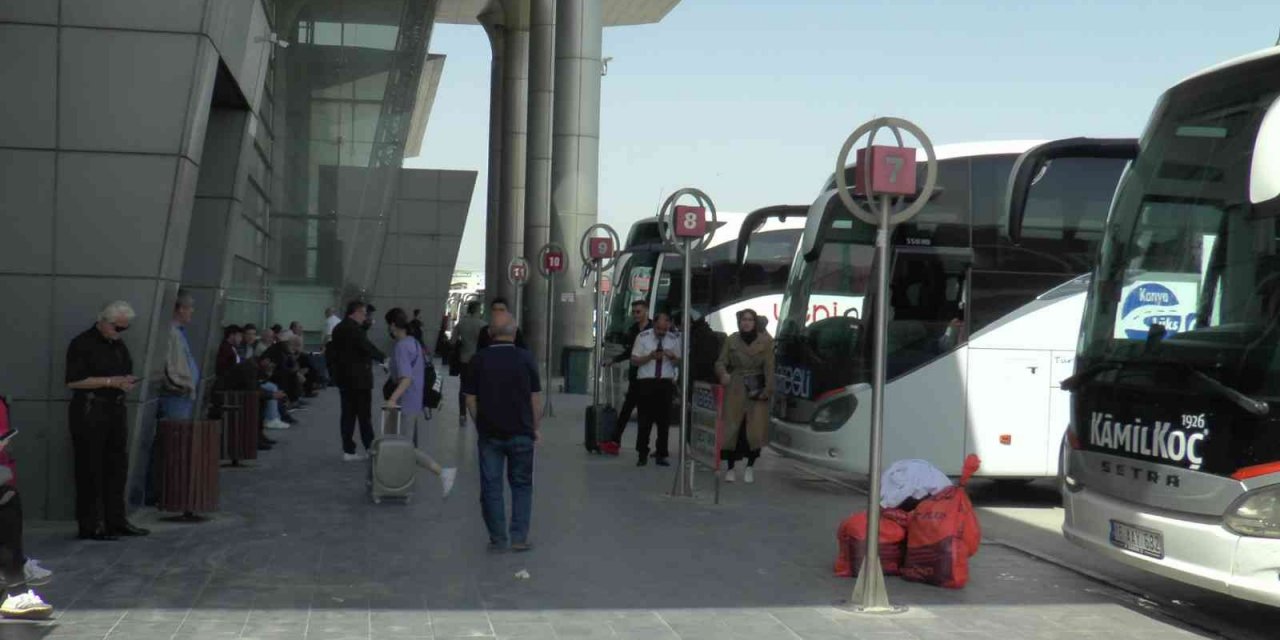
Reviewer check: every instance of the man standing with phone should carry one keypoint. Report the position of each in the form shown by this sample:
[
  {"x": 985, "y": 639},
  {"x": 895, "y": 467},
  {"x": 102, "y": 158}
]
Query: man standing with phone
[
  {"x": 100, "y": 373},
  {"x": 656, "y": 355}
]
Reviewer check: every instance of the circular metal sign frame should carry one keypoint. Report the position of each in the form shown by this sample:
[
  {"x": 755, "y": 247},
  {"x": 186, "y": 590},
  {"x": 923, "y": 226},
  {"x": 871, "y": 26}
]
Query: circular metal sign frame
[
  {"x": 584, "y": 248},
  {"x": 542, "y": 254},
  {"x": 872, "y": 127},
  {"x": 518, "y": 260},
  {"x": 667, "y": 212}
]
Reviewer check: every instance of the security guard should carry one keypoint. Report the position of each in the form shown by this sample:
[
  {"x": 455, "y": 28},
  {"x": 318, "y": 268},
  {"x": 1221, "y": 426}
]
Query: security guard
[{"x": 100, "y": 372}]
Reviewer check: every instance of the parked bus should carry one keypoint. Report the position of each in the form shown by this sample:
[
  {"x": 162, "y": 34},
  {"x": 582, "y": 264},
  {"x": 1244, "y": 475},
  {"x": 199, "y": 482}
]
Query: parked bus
[
  {"x": 980, "y": 328},
  {"x": 1172, "y": 458}
]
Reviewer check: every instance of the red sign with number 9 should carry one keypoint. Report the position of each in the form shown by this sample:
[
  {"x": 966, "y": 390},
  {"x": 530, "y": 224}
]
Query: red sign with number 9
[
  {"x": 691, "y": 222},
  {"x": 553, "y": 262},
  {"x": 601, "y": 248}
]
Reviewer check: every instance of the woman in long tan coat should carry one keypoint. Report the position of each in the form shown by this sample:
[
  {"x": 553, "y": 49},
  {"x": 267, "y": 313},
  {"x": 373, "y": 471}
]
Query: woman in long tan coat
[{"x": 745, "y": 368}]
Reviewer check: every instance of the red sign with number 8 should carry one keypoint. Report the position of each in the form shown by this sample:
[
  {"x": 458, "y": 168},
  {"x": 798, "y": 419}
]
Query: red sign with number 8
[
  {"x": 553, "y": 262},
  {"x": 601, "y": 248},
  {"x": 691, "y": 222}
]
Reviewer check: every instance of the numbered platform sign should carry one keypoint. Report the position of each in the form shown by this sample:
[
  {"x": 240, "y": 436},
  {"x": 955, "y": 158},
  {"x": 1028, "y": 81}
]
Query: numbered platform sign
[
  {"x": 519, "y": 272},
  {"x": 691, "y": 222},
  {"x": 601, "y": 248},
  {"x": 553, "y": 262},
  {"x": 893, "y": 171}
]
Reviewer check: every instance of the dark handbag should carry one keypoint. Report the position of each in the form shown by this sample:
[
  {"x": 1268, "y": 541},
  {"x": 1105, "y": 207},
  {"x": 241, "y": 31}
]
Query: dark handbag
[{"x": 755, "y": 384}]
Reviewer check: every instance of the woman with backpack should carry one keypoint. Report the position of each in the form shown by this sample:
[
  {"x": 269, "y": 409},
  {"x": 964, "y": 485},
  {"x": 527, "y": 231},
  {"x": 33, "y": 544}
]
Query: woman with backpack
[{"x": 405, "y": 389}]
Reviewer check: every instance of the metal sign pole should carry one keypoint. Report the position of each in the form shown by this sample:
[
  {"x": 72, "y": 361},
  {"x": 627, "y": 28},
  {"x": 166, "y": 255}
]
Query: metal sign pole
[
  {"x": 551, "y": 315},
  {"x": 684, "y": 479},
  {"x": 883, "y": 171},
  {"x": 519, "y": 307},
  {"x": 870, "y": 592},
  {"x": 595, "y": 351}
]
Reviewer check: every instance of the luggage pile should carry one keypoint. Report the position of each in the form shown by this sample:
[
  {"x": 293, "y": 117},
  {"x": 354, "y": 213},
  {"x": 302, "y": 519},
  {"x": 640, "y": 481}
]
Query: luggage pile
[{"x": 928, "y": 529}]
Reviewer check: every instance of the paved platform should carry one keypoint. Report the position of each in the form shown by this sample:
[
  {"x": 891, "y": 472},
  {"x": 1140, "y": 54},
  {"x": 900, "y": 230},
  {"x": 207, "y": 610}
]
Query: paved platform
[{"x": 300, "y": 552}]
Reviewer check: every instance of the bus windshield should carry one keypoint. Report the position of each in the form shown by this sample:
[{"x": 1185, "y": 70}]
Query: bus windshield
[
  {"x": 1187, "y": 297},
  {"x": 633, "y": 282},
  {"x": 816, "y": 344}
]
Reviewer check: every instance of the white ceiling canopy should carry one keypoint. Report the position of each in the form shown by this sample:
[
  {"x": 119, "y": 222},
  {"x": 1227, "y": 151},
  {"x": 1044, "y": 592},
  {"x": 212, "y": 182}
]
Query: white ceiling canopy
[{"x": 616, "y": 12}]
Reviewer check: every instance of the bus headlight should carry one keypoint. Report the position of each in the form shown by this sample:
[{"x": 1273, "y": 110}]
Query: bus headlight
[
  {"x": 832, "y": 415},
  {"x": 1255, "y": 514}
]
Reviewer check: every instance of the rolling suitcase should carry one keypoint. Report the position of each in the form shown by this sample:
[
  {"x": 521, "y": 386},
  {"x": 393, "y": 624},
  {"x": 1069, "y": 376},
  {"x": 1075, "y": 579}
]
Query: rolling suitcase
[
  {"x": 393, "y": 461},
  {"x": 601, "y": 425}
]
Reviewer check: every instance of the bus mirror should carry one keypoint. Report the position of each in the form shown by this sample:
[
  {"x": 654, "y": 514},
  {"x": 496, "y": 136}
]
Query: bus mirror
[
  {"x": 1031, "y": 165},
  {"x": 1264, "y": 173},
  {"x": 757, "y": 218}
]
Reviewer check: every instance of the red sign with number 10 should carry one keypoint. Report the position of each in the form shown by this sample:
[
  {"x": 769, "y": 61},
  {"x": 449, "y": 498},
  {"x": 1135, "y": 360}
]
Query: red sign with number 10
[
  {"x": 691, "y": 222},
  {"x": 553, "y": 262}
]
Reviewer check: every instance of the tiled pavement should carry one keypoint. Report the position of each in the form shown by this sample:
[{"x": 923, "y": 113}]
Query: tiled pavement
[{"x": 300, "y": 552}]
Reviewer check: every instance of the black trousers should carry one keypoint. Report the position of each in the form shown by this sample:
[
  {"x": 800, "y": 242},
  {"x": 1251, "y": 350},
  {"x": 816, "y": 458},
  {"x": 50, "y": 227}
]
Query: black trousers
[
  {"x": 653, "y": 399},
  {"x": 624, "y": 414},
  {"x": 12, "y": 559},
  {"x": 357, "y": 404},
  {"x": 741, "y": 449},
  {"x": 100, "y": 440}
]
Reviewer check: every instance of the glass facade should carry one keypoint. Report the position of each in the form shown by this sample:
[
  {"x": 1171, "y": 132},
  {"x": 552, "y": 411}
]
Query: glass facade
[{"x": 345, "y": 91}]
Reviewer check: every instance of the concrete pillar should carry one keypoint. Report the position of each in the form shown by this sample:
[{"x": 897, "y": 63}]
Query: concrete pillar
[
  {"x": 537, "y": 208},
  {"x": 575, "y": 156},
  {"x": 493, "y": 216},
  {"x": 515, "y": 120}
]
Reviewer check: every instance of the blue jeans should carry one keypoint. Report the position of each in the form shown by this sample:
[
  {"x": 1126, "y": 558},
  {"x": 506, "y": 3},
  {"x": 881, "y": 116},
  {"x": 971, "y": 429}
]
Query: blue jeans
[
  {"x": 516, "y": 455},
  {"x": 272, "y": 411}
]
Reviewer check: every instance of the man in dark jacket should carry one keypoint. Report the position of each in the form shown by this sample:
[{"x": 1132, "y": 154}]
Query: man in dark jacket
[
  {"x": 353, "y": 366},
  {"x": 499, "y": 305},
  {"x": 640, "y": 314}
]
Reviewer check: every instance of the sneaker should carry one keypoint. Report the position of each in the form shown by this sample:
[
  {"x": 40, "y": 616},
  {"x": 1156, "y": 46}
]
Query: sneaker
[
  {"x": 447, "y": 478},
  {"x": 352, "y": 457},
  {"x": 521, "y": 547},
  {"x": 729, "y": 476},
  {"x": 279, "y": 425},
  {"x": 36, "y": 574},
  {"x": 26, "y": 606},
  {"x": 749, "y": 475}
]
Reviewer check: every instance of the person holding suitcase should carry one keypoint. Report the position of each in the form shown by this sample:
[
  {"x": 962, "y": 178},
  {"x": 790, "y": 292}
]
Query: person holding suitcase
[
  {"x": 640, "y": 314},
  {"x": 502, "y": 392},
  {"x": 408, "y": 369},
  {"x": 656, "y": 355}
]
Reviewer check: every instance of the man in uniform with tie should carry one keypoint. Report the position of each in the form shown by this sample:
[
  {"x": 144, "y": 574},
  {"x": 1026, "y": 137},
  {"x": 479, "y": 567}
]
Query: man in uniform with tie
[{"x": 656, "y": 354}]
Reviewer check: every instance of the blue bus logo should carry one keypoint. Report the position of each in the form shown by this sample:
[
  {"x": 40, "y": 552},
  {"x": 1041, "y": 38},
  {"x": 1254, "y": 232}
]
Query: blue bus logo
[{"x": 1150, "y": 304}]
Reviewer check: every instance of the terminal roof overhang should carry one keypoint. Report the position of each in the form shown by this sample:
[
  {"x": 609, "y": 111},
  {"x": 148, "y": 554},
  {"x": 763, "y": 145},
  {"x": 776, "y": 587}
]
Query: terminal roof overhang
[{"x": 617, "y": 13}]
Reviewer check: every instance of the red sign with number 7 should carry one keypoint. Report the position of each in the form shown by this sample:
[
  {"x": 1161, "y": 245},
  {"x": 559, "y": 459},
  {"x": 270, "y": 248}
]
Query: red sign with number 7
[
  {"x": 553, "y": 262},
  {"x": 691, "y": 222},
  {"x": 893, "y": 171}
]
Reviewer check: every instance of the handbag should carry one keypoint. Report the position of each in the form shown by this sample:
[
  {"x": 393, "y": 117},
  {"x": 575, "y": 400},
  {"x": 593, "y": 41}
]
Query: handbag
[{"x": 755, "y": 384}]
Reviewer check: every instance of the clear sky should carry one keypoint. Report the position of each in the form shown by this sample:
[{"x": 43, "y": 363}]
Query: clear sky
[{"x": 750, "y": 100}]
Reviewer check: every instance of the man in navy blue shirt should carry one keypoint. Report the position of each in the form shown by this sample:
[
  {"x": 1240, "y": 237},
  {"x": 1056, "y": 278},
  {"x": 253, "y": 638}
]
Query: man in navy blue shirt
[{"x": 502, "y": 390}]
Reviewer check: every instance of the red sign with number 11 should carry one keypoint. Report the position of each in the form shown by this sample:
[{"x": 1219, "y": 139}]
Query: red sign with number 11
[{"x": 691, "y": 222}]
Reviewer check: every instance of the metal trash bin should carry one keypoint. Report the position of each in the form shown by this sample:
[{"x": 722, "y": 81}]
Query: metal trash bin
[
  {"x": 189, "y": 459},
  {"x": 575, "y": 366}
]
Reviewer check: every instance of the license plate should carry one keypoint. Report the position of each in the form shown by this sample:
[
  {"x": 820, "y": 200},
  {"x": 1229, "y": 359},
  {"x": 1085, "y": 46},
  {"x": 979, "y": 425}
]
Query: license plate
[{"x": 1137, "y": 539}]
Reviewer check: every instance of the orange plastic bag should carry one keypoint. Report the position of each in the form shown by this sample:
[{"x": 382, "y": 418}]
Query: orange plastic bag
[
  {"x": 851, "y": 540},
  {"x": 942, "y": 534}
]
